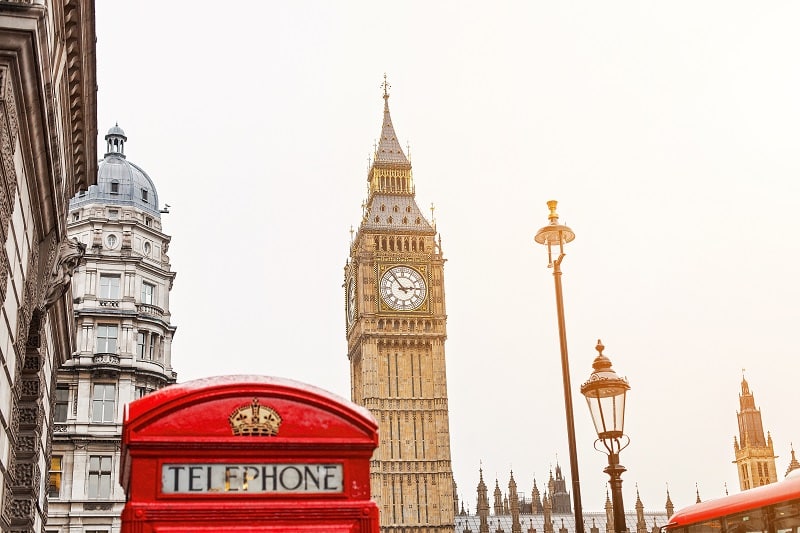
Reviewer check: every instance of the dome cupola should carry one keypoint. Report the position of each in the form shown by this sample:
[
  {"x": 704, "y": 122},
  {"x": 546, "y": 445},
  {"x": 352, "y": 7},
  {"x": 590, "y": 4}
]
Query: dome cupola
[
  {"x": 115, "y": 141},
  {"x": 120, "y": 182}
]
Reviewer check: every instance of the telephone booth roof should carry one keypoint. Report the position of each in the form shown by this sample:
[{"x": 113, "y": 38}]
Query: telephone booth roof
[{"x": 202, "y": 410}]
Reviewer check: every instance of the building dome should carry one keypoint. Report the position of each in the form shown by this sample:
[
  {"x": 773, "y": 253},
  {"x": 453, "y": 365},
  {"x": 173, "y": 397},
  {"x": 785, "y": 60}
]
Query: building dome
[{"x": 120, "y": 182}]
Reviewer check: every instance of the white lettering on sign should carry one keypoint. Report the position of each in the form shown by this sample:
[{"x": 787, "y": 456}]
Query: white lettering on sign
[{"x": 251, "y": 478}]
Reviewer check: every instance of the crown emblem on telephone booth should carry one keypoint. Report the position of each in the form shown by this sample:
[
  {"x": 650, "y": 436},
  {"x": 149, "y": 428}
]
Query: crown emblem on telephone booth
[{"x": 254, "y": 420}]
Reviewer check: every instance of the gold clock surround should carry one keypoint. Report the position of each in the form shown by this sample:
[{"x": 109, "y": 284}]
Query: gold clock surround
[{"x": 420, "y": 272}]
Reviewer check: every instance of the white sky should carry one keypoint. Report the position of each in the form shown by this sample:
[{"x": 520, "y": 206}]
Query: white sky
[{"x": 668, "y": 131}]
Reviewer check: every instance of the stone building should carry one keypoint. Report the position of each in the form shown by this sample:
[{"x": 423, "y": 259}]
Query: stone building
[
  {"x": 754, "y": 453},
  {"x": 524, "y": 515},
  {"x": 48, "y": 152},
  {"x": 396, "y": 328},
  {"x": 124, "y": 337}
]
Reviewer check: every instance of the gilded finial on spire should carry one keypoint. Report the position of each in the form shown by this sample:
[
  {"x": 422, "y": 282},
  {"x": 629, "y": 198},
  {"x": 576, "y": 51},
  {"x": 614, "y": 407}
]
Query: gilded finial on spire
[{"x": 385, "y": 86}]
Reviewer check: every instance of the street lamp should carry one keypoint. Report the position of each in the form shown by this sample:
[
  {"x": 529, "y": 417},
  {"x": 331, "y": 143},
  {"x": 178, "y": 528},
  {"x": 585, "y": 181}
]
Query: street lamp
[
  {"x": 555, "y": 234},
  {"x": 605, "y": 393}
]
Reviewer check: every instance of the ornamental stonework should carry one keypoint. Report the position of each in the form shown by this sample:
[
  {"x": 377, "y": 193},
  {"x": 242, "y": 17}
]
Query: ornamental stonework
[
  {"x": 26, "y": 474},
  {"x": 27, "y": 444},
  {"x": 30, "y": 389},
  {"x": 29, "y": 418}
]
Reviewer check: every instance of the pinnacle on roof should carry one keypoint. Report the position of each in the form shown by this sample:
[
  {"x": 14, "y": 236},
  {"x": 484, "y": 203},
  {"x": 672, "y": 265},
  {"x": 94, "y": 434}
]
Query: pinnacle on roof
[
  {"x": 793, "y": 464},
  {"x": 389, "y": 150}
]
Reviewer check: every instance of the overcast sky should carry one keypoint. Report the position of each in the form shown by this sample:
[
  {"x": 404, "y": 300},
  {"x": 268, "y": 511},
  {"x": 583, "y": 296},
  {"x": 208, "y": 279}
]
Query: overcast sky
[{"x": 668, "y": 131}]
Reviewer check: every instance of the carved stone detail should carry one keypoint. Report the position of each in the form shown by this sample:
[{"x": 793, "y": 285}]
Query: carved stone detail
[
  {"x": 68, "y": 257},
  {"x": 31, "y": 388},
  {"x": 97, "y": 506},
  {"x": 27, "y": 475},
  {"x": 26, "y": 444},
  {"x": 11, "y": 108},
  {"x": 33, "y": 362},
  {"x": 20, "y": 509},
  {"x": 29, "y": 418},
  {"x": 4, "y": 269},
  {"x": 8, "y": 497},
  {"x": 7, "y": 154}
]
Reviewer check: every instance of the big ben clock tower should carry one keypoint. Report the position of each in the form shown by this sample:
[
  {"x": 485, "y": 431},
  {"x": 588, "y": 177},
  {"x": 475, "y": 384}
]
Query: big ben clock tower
[{"x": 395, "y": 318}]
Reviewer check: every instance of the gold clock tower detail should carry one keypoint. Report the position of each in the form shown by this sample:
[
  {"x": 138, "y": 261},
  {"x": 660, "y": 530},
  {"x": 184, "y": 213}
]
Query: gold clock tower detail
[{"x": 396, "y": 328}]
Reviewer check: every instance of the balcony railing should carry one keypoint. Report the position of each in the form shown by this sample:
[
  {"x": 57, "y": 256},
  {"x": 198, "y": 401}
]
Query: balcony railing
[
  {"x": 148, "y": 309},
  {"x": 108, "y": 303}
]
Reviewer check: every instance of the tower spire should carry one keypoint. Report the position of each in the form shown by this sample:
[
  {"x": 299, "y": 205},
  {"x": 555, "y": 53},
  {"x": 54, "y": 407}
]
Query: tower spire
[
  {"x": 754, "y": 452},
  {"x": 389, "y": 150}
]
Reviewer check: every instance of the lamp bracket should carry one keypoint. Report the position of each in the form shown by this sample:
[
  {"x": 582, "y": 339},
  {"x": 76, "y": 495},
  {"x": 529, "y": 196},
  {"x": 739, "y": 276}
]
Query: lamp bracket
[{"x": 612, "y": 445}]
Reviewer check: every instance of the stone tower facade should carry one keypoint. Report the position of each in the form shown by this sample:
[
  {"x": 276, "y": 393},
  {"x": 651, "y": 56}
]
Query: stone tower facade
[
  {"x": 560, "y": 498},
  {"x": 124, "y": 338},
  {"x": 396, "y": 328},
  {"x": 755, "y": 456}
]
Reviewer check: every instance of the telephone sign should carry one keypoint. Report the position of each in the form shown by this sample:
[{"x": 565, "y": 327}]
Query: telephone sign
[
  {"x": 219, "y": 477},
  {"x": 247, "y": 454}
]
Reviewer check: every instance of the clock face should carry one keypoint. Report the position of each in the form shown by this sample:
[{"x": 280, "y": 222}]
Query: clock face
[
  {"x": 351, "y": 301},
  {"x": 403, "y": 288}
]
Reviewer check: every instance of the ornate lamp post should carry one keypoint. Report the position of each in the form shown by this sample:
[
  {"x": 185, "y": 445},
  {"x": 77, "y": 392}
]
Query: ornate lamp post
[
  {"x": 605, "y": 393},
  {"x": 555, "y": 234}
]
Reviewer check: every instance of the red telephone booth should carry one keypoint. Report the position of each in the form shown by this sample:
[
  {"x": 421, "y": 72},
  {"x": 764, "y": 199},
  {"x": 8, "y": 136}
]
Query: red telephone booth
[{"x": 247, "y": 454}]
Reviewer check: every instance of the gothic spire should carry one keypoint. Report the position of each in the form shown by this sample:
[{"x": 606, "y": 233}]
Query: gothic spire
[
  {"x": 670, "y": 508},
  {"x": 389, "y": 150}
]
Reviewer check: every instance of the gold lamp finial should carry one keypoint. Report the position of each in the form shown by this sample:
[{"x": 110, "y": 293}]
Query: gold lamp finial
[{"x": 553, "y": 216}]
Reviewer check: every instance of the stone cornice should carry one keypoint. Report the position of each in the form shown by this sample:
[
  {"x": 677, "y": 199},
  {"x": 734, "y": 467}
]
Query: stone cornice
[{"x": 79, "y": 36}]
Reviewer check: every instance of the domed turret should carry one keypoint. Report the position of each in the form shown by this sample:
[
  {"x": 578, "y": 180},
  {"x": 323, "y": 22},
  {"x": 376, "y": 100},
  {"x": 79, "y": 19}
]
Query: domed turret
[{"x": 120, "y": 182}]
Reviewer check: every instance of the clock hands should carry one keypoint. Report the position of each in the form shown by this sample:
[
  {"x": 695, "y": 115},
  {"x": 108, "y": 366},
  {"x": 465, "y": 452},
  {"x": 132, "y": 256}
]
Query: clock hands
[{"x": 399, "y": 284}]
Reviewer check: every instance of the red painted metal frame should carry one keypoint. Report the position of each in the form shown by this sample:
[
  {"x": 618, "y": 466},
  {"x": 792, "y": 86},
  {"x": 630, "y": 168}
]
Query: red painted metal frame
[
  {"x": 785, "y": 490},
  {"x": 188, "y": 423}
]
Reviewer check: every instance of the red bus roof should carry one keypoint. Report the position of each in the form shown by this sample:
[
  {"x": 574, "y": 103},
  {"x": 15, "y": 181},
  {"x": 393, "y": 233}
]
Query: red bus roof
[{"x": 788, "y": 489}]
